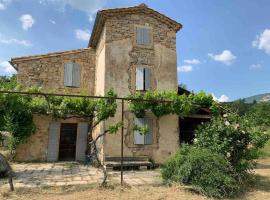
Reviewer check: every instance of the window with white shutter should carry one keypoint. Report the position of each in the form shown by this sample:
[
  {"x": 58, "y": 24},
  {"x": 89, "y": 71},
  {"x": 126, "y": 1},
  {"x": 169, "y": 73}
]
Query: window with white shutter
[
  {"x": 143, "y": 78},
  {"x": 143, "y": 36},
  {"x": 148, "y": 137},
  {"x": 72, "y": 75}
]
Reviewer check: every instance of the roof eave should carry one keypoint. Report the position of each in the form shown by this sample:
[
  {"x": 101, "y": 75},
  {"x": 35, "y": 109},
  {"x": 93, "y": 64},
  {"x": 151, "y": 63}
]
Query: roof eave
[{"x": 14, "y": 65}]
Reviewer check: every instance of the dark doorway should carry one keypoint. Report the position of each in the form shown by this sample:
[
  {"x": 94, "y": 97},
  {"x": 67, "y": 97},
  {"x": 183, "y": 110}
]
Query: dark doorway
[
  {"x": 67, "y": 146},
  {"x": 188, "y": 125}
]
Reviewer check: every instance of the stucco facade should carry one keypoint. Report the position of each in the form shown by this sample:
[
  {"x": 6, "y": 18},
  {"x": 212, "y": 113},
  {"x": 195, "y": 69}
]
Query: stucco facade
[{"x": 110, "y": 62}]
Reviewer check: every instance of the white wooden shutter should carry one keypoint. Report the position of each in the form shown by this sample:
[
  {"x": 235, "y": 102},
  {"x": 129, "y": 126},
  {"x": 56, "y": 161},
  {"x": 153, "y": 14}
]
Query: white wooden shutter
[
  {"x": 147, "y": 78},
  {"x": 53, "y": 143},
  {"x": 143, "y": 36},
  {"x": 76, "y": 75},
  {"x": 68, "y": 71},
  {"x": 81, "y": 143},
  {"x": 138, "y": 137},
  {"x": 146, "y": 36},
  {"x": 139, "y": 35},
  {"x": 140, "y": 78},
  {"x": 148, "y": 138}
]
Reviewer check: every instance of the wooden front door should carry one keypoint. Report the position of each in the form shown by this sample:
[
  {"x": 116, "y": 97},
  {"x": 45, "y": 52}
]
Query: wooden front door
[{"x": 67, "y": 146}]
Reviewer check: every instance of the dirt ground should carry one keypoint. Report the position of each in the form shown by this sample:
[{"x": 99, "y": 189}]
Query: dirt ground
[{"x": 259, "y": 191}]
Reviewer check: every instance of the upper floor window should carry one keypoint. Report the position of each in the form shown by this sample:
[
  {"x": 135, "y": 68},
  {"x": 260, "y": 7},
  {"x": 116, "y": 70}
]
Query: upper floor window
[
  {"x": 148, "y": 137},
  {"x": 72, "y": 75},
  {"x": 143, "y": 78},
  {"x": 143, "y": 36}
]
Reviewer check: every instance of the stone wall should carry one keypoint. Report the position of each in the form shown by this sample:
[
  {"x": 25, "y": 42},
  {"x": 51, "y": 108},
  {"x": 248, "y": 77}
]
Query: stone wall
[{"x": 48, "y": 71}]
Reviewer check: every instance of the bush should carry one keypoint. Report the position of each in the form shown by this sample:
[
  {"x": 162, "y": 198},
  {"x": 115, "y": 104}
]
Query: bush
[
  {"x": 208, "y": 173},
  {"x": 234, "y": 137}
]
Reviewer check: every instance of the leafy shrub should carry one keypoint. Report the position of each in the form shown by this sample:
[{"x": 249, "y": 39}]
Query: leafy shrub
[
  {"x": 235, "y": 137},
  {"x": 208, "y": 173}
]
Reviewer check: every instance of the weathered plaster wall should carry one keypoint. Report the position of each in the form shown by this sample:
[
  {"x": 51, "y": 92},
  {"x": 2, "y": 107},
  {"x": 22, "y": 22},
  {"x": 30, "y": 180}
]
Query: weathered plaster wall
[
  {"x": 122, "y": 56},
  {"x": 100, "y": 66},
  {"x": 48, "y": 71},
  {"x": 100, "y": 88},
  {"x": 36, "y": 146}
]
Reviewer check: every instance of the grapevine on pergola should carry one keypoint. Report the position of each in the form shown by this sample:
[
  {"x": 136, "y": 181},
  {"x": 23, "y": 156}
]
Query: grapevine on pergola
[{"x": 17, "y": 110}]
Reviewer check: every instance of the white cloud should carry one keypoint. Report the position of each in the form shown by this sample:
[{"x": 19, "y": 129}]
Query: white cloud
[
  {"x": 262, "y": 42},
  {"x": 82, "y": 34},
  {"x": 192, "y": 61},
  {"x": 15, "y": 41},
  {"x": 6, "y": 68},
  {"x": 222, "y": 98},
  {"x": 185, "y": 68},
  {"x": 4, "y": 4},
  {"x": 27, "y": 21},
  {"x": 88, "y": 6},
  {"x": 226, "y": 57},
  {"x": 52, "y": 21},
  {"x": 255, "y": 66},
  {"x": 91, "y": 18}
]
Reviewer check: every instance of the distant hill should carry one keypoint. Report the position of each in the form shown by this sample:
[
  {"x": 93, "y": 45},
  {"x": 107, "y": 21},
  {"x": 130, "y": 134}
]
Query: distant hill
[{"x": 259, "y": 98}]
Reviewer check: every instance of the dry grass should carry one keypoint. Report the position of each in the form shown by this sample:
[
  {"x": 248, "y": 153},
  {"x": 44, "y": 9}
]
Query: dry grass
[
  {"x": 95, "y": 193},
  {"x": 259, "y": 190}
]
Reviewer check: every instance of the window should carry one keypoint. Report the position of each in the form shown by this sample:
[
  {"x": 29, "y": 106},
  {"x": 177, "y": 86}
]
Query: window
[
  {"x": 143, "y": 36},
  {"x": 143, "y": 139},
  {"x": 143, "y": 78},
  {"x": 72, "y": 75}
]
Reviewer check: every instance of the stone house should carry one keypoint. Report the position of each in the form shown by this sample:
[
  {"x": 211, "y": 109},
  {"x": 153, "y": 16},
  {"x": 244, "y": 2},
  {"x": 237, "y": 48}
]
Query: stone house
[{"x": 130, "y": 49}]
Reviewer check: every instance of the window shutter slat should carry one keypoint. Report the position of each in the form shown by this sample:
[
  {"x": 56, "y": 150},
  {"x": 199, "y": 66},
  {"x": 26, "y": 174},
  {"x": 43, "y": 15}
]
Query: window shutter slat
[
  {"x": 53, "y": 142},
  {"x": 146, "y": 36},
  {"x": 81, "y": 143},
  {"x": 149, "y": 136},
  {"x": 139, "y": 78},
  {"x": 138, "y": 35},
  {"x": 76, "y": 76},
  {"x": 138, "y": 138},
  {"x": 147, "y": 78},
  {"x": 68, "y": 71},
  {"x": 142, "y": 36}
]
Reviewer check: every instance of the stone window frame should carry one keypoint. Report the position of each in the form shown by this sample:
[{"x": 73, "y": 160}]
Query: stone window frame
[{"x": 151, "y": 36}]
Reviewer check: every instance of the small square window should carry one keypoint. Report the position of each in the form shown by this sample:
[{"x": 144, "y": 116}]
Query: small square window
[{"x": 143, "y": 36}]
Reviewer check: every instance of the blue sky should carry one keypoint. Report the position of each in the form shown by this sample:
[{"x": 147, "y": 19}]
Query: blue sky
[{"x": 223, "y": 48}]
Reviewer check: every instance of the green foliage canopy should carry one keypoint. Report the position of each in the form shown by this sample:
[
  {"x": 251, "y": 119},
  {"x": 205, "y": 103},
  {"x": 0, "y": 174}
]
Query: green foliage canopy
[{"x": 169, "y": 102}]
